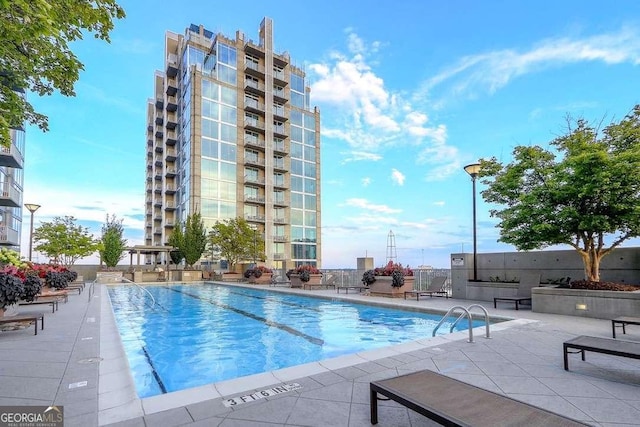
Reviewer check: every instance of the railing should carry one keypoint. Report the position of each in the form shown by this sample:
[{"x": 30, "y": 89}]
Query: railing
[
  {"x": 465, "y": 313},
  {"x": 153, "y": 300}
]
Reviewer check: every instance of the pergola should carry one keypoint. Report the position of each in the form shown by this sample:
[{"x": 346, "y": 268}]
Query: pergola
[{"x": 148, "y": 250}]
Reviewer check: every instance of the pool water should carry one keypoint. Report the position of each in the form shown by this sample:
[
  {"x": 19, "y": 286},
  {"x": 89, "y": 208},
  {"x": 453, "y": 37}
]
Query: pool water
[{"x": 199, "y": 334}]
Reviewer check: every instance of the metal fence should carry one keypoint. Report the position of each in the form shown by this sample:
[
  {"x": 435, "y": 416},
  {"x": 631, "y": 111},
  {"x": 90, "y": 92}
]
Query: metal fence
[{"x": 352, "y": 277}]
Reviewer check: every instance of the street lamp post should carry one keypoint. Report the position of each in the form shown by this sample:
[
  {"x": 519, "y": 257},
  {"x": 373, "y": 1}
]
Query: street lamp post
[
  {"x": 31, "y": 207},
  {"x": 473, "y": 170}
]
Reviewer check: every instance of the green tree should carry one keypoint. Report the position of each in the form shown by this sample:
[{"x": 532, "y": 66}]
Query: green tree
[
  {"x": 112, "y": 244},
  {"x": 176, "y": 239},
  {"x": 35, "y": 55},
  {"x": 235, "y": 240},
  {"x": 583, "y": 192},
  {"x": 190, "y": 240},
  {"x": 63, "y": 241}
]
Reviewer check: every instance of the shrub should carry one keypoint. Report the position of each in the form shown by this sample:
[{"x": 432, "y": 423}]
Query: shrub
[
  {"x": 305, "y": 276},
  {"x": 31, "y": 287},
  {"x": 368, "y": 277},
  {"x": 10, "y": 289},
  {"x": 56, "y": 280},
  {"x": 397, "y": 279}
]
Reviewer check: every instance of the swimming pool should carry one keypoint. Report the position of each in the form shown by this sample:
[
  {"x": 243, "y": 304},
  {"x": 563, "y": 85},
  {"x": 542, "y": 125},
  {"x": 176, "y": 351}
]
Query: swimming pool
[{"x": 199, "y": 334}]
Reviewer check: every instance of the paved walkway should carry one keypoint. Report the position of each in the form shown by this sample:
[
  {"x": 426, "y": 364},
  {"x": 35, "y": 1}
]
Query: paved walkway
[{"x": 77, "y": 361}]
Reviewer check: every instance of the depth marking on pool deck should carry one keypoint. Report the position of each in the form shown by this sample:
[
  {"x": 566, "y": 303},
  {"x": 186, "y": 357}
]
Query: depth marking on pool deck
[
  {"x": 273, "y": 391},
  {"x": 311, "y": 339}
]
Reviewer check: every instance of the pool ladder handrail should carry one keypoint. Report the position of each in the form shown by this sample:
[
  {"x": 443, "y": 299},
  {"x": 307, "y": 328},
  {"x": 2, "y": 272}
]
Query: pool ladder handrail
[
  {"x": 91, "y": 289},
  {"x": 141, "y": 287},
  {"x": 466, "y": 312}
]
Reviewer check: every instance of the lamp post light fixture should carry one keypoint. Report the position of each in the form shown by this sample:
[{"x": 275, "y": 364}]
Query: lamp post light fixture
[
  {"x": 473, "y": 170},
  {"x": 31, "y": 207}
]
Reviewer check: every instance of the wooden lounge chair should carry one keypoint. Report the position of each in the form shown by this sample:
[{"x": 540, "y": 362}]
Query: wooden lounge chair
[
  {"x": 52, "y": 302},
  {"x": 453, "y": 403},
  {"x": 436, "y": 287},
  {"x": 31, "y": 317},
  {"x": 527, "y": 281}
]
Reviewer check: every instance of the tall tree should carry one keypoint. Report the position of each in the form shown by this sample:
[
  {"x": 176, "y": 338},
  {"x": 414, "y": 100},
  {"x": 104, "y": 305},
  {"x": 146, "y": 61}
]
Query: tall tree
[
  {"x": 176, "y": 239},
  {"x": 235, "y": 240},
  {"x": 35, "y": 54},
  {"x": 63, "y": 241},
  {"x": 112, "y": 244},
  {"x": 583, "y": 192},
  {"x": 194, "y": 240}
]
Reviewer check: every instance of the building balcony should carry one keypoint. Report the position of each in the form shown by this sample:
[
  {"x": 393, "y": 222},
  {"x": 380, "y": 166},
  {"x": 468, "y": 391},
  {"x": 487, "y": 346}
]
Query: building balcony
[
  {"x": 254, "y": 87},
  {"x": 149, "y": 224},
  {"x": 170, "y": 189},
  {"x": 280, "y": 95},
  {"x": 280, "y": 148},
  {"x": 280, "y": 184},
  {"x": 10, "y": 196},
  {"x": 157, "y": 216},
  {"x": 150, "y": 142},
  {"x": 158, "y": 175},
  {"x": 280, "y": 166},
  {"x": 254, "y": 218},
  {"x": 254, "y": 106},
  {"x": 281, "y": 59},
  {"x": 147, "y": 236},
  {"x": 159, "y": 103},
  {"x": 255, "y": 125},
  {"x": 157, "y": 231},
  {"x": 279, "y": 113},
  {"x": 254, "y": 142},
  {"x": 149, "y": 189},
  {"x": 279, "y": 256},
  {"x": 172, "y": 104},
  {"x": 280, "y": 78},
  {"x": 157, "y": 203},
  {"x": 158, "y": 162},
  {"x": 280, "y": 238},
  {"x": 172, "y": 69},
  {"x": 149, "y": 200},
  {"x": 149, "y": 165},
  {"x": 252, "y": 161},
  {"x": 253, "y": 69},
  {"x": 159, "y": 120},
  {"x": 8, "y": 236},
  {"x": 150, "y": 128},
  {"x": 170, "y": 207},
  {"x": 170, "y": 155},
  {"x": 280, "y": 131},
  {"x": 254, "y": 199},
  {"x": 158, "y": 189},
  {"x": 252, "y": 180},
  {"x": 253, "y": 49},
  {"x": 170, "y": 173},
  {"x": 280, "y": 202},
  {"x": 159, "y": 149},
  {"x": 159, "y": 134},
  {"x": 171, "y": 138},
  {"x": 171, "y": 121},
  {"x": 280, "y": 220},
  {"x": 168, "y": 224},
  {"x": 171, "y": 89}
]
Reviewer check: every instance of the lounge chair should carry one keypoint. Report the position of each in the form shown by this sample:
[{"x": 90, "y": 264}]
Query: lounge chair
[
  {"x": 455, "y": 403},
  {"x": 436, "y": 287},
  {"x": 527, "y": 281},
  {"x": 23, "y": 318}
]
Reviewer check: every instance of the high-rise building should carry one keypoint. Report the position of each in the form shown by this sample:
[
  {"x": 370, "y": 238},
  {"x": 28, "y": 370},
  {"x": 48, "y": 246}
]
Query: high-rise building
[
  {"x": 11, "y": 184},
  {"x": 230, "y": 133}
]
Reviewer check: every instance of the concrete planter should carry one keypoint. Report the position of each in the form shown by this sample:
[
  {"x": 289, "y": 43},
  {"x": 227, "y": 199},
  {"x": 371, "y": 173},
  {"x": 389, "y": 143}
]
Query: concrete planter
[
  {"x": 382, "y": 287},
  {"x": 314, "y": 279},
  {"x": 233, "y": 277},
  {"x": 487, "y": 291},
  {"x": 585, "y": 303},
  {"x": 265, "y": 279}
]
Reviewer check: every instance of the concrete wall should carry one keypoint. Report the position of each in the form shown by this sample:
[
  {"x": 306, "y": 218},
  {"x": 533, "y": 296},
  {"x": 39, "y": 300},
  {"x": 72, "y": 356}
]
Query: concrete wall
[
  {"x": 579, "y": 302},
  {"x": 622, "y": 266}
]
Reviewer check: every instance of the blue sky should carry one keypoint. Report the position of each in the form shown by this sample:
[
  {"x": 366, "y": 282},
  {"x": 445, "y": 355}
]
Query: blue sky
[{"x": 409, "y": 93}]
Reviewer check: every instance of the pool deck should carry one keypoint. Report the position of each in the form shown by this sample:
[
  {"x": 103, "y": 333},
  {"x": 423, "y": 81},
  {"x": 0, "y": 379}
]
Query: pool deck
[{"x": 77, "y": 361}]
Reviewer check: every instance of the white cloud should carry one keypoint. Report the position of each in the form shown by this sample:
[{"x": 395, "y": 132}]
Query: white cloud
[
  {"x": 439, "y": 203},
  {"x": 397, "y": 177},
  {"x": 366, "y": 181},
  {"x": 358, "y": 156},
  {"x": 365, "y": 204},
  {"x": 493, "y": 70}
]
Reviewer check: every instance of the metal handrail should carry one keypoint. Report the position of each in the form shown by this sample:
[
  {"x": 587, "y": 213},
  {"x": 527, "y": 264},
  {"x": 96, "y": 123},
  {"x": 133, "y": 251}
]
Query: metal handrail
[
  {"x": 486, "y": 318},
  {"x": 141, "y": 287},
  {"x": 451, "y": 310},
  {"x": 91, "y": 289}
]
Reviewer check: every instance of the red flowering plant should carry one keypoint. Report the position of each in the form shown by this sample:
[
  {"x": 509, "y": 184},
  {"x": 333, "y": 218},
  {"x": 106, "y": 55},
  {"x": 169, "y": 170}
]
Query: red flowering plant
[
  {"x": 396, "y": 271},
  {"x": 257, "y": 272},
  {"x": 304, "y": 271}
]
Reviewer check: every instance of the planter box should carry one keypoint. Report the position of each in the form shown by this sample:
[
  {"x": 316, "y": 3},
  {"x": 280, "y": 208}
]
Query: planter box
[
  {"x": 382, "y": 287},
  {"x": 265, "y": 279},
  {"x": 585, "y": 303},
  {"x": 109, "y": 277},
  {"x": 314, "y": 279},
  {"x": 233, "y": 277}
]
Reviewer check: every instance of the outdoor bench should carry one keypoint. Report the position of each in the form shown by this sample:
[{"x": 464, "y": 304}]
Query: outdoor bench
[
  {"x": 31, "y": 317},
  {"x": 320, "y": 286},
  {"x": 622, "y": 322},
  {"x": 600, "y": 345},
  {"x": 451, "y": 402},
  {"x": 355, "y": 288}
]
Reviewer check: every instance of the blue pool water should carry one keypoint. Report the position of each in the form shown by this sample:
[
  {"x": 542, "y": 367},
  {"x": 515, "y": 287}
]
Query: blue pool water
[{"x": 200, "y": 334}]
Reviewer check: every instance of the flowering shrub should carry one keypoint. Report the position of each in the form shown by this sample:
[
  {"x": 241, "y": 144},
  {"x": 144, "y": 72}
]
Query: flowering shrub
[
  {"x": 368, "y": 277},
  {"x": 304, "y": 271},
  {"x": 388, "y": 269},
  {"x": 257, "y": 272}
]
